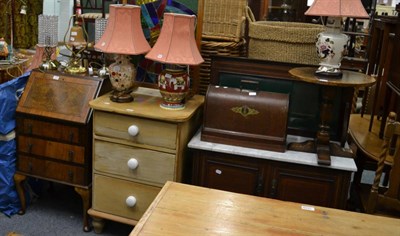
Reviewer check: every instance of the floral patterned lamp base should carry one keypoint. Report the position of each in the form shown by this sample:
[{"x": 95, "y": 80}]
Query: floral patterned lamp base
[
  {"x": 174, "y": 84},
  {"x": 331, "y": 47},
  {"x": 122, "y": 77}
]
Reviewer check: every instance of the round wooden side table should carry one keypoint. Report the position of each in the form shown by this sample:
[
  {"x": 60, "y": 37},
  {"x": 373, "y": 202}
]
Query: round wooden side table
[{"x": 322, "y": 145}]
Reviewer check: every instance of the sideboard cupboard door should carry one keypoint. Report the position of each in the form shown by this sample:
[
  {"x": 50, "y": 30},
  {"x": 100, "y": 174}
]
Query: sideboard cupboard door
[
  {"x": 307, "y": 184},
  {"x": 229, "y": 174}
]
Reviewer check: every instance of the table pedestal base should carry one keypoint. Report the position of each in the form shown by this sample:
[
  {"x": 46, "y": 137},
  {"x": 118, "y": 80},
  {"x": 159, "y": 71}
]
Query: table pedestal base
[{"x": 324, "y": 152}]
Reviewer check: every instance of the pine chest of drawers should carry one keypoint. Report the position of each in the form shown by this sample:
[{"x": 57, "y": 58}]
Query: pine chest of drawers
[
  {"x": 54, "y": 132},
  {"x": 137, "y": 148}
]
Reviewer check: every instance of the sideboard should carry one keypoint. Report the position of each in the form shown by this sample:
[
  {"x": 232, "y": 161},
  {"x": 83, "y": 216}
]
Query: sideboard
[{"x": 290, "y": 176}]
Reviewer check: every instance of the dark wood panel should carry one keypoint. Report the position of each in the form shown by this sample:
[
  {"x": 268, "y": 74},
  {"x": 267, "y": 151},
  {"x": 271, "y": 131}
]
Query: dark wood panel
[
  {"x": 53, "y": 170},
  {"x": 285, "y": 181}
]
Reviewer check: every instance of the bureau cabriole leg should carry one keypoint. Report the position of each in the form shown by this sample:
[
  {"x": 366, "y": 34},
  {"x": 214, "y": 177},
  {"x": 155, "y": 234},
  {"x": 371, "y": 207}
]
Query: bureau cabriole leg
[
  {"x": 85, "y": 195},
  {"x": 19, "y": 181}
]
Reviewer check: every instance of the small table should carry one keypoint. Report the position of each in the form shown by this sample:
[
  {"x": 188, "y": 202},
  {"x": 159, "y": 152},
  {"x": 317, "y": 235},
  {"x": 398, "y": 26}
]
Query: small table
[
  {"x": 181, "y": 209},
  {"x": 10, "y": 71},
  {"x": 322, "y": 145}
]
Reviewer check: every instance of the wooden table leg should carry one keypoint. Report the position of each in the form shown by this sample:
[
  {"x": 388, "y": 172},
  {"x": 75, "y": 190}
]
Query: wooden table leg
[
  {"x": 19, "y": 181},
  {"x": 86, "y": 200}
]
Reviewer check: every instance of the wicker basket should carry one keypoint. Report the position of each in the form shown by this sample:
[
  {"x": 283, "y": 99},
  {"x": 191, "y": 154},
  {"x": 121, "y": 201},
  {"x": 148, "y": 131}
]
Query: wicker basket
[
  {"x": 224, "y": 20},
  {"x": 291, "y": 42},
  {"x": 211, "y": 48}
]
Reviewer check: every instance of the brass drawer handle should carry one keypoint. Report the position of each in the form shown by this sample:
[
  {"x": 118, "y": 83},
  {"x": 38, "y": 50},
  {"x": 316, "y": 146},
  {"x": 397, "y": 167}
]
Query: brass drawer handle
[
  {"x": 70, "y": 175},
  {"x": 30, "y": 147},
  {"x": 71, "y": 136},
  {"x": 70, "y": 155},
  {"x": 29, "y": 128}
]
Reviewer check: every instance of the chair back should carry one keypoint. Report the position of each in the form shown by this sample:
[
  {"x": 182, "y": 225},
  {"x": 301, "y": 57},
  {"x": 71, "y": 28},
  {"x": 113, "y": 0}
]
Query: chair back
[{"x": 390, "y": 197}]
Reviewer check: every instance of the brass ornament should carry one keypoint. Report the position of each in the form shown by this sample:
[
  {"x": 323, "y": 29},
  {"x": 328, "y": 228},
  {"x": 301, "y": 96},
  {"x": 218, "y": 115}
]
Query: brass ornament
[{"x": 245, "y": 111}]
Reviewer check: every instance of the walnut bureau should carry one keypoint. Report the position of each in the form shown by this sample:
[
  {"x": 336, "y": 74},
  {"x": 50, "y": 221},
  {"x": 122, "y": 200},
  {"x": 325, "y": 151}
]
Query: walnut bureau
[
  {"x": 54, "y": 132},
  {"x": 137, "y": 148}
]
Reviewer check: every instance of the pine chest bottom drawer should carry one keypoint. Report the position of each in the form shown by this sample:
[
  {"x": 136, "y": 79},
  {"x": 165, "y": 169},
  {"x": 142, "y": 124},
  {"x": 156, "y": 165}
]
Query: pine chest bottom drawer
[{"x": 112, "y": 195}]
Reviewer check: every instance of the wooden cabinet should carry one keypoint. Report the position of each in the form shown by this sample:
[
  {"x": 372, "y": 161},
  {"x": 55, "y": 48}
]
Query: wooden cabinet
[
  {"x": 138, "y": 147},
  {"x": 54, "y": 132},
  {"x": 289, "y": 176}
]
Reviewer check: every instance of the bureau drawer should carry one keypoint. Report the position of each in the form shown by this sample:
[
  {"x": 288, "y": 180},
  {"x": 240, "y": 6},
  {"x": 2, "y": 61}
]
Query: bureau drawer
[
  {"x": 135, "y": 163},
  {"x": 53, "y": 170},
  {"x": 50, "y": 149},
  {"x": 110, "y": 196},
  {"x": 148, "y": 132},
  {"x": 63, "y": 133}
]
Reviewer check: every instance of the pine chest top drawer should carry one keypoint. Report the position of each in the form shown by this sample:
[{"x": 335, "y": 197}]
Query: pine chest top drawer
[
  {"x": 51, "y": 149},
  {"x": 135, "y": 163},
  {"x": 122, "y": 198},
  {"x": 54, "y": 131},
  {"x": 53, "y": 170},
  {"x": 136, "y": 130}
]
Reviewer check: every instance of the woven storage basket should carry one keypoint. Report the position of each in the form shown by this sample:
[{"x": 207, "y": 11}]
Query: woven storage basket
[
  {"x": 211, "y": 48},
  {"x": 224, "y": 20},
  {"x": 291, "y": 42}
]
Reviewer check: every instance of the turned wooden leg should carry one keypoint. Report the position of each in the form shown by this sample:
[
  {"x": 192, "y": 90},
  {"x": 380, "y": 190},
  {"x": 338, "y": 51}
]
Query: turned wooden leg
[
  {"x": 19, "y": 181},
  {"x": 86, "y": 199},
  {"x": 98, "y": 224}
]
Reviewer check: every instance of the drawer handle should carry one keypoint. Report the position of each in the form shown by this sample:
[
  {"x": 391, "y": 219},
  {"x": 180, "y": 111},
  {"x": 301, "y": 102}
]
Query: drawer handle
[
  {"x": 218, "y": 171},
  {"x": 71, "y": 136},
  {"x": 133, "y": 130},
  {"x": 71, "y": 175},
  {"x": 130, "y": 201},
  {"x": 30, "y": 146},
  {"x": 133, "y": 163},
  {"x": 70, "y": 155},
  {"x": 30, "y": 166},
  {"x": 29, "y": 128}
]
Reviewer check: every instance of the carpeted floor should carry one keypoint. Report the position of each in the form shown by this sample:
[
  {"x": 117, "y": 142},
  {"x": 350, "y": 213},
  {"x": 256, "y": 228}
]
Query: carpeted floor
[{"x": 57, "y": 211}]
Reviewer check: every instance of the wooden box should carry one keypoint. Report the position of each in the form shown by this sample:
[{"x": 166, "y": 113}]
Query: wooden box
[{"x": 246, "y": 118}]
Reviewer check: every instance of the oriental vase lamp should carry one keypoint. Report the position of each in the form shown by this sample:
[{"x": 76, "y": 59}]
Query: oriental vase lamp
[
  {"x": 175, "y": 47},
  {"x": 332, "y": 44},
  {"x": 123, "y": 36}
]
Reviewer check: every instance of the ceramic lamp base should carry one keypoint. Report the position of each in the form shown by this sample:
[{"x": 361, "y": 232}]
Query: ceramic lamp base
[
  {"x": 174, "y": 85},
  {"x": 331, "y": 46},
  {"x": 121, "y": 97},
  {"x": 122, "y": 76}
]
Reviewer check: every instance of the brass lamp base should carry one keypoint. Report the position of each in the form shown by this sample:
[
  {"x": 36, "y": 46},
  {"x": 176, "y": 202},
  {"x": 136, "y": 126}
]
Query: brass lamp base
[
  {"x": 75, "y": 70},
  {"x": 50, "y": 65}
]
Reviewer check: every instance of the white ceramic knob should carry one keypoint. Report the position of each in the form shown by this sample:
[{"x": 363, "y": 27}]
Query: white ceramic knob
[
  {"x": 130, "y": 201},
  {"x": 133, "y": 163},
  {"x": 133, "y": 130}
]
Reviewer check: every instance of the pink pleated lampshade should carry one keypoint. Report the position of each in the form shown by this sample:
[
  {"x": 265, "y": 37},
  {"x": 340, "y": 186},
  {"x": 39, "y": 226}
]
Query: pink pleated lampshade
[
  {"x": 176, "y": 43},
  {"x": 337, "y": 8},
  {"x": 123, "y": 33}
]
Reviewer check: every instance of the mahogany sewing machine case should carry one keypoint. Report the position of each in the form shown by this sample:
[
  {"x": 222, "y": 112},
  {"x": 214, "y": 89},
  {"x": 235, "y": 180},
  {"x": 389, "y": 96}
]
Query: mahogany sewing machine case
[{"x": 248, "y": 118}]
